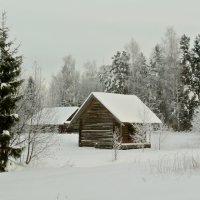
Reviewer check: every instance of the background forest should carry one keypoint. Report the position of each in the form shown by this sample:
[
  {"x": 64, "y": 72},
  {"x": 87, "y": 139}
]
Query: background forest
[{"x": 167, "y": 81}]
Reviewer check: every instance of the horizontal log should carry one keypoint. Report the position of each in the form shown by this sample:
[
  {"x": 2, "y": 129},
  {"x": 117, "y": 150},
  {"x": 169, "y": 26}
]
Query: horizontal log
[
  {"x": 95, "y": 138},
  {"x": 104, "y": 146},
  {"x": 94, "y": 130},
  {"x": 96, "y": 133},
  {"x": 86, "y": 145},
  {"x": 93, "y": 124},
  {"x": 101, "y": 124},
  {"x": 97, "y": 128}
]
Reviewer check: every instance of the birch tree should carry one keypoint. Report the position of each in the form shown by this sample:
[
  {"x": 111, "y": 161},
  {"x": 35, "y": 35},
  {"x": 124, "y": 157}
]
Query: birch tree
[
  {"x": 64, "y": 87},
  {"x": 170, "y": 80},
  {"x": 89, "y": 81}
]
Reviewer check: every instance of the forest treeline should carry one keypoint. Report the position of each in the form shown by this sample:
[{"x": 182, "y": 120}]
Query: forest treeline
[{"x": 168, "y": 81}]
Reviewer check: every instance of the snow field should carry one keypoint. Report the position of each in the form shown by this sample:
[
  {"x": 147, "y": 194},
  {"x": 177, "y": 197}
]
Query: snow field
[{"x": 67, "y": 171}]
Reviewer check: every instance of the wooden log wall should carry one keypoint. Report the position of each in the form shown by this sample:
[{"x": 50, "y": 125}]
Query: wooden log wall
[
  {"x": 96, "y": 126},
  {"x": 73, "y": 128}
]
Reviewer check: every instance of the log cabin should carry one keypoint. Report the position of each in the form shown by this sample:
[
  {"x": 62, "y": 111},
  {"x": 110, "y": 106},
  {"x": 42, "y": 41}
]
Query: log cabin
[
  {"x": 104, "y": 114},
  {"x": 51, "y": 119}
]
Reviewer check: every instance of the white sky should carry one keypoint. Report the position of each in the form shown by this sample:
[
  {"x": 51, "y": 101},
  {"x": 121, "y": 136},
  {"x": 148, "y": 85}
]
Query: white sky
[{"x": 93, "y": 29}]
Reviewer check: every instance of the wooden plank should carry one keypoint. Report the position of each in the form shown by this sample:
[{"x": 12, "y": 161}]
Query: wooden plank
[{"x": 95, "y": 131}]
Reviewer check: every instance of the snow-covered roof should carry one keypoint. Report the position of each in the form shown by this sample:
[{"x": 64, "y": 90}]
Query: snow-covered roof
[
  {"x": 53, "y": 116},
  {"x": 125, "y": 108}
]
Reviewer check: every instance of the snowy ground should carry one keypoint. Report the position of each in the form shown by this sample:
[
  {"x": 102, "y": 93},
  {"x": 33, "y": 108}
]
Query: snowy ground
[{"x": 69, "y": 172}]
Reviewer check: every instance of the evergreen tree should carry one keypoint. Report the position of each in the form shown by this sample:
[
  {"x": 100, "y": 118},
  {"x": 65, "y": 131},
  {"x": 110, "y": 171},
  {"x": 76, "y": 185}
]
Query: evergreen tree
[
  {"x": 115, "y": 77},
  {"x": 188, "y": 97},
  {"x": 155, "y": 83},
  {"x": 196, "y": 65},
  {"x": 142, "y": 79},
  {"x": 34, "y": 100},
  {"x": 9, "y": 82},
  {"x": 136, "y": 59},
  {"x": 30, "y": 96}
]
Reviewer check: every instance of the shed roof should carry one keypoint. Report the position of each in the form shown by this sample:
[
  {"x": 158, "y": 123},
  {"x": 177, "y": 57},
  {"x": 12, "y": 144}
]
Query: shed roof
[
  {"x": 53, "y": 116},
  {"x": 125, "y": 108}
]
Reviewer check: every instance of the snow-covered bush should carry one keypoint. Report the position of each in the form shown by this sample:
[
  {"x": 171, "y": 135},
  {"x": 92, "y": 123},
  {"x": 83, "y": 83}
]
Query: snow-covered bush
[
  {"x": 196, "y": 121},
  {"x": 179, "y": 163}
]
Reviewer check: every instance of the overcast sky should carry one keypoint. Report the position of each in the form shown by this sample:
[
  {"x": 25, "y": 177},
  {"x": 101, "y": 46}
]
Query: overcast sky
[{"x": 93, "y": 29}]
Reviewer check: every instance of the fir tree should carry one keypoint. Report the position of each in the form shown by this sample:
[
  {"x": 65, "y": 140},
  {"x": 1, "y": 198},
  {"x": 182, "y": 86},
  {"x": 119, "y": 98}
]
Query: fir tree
[
  {"x": 196, "y": 65},
  {"x": 115, "y": 77},
  {"x": 32, "y": 97},
  {"x": 143, "y": 78},
  {"x": 188, "y": 97},
  {"x": 133, "y": 50},
  {"x": 155, "y": 82},
  {"x": 9, "y": 83},
  {"x": 30, "y": 94}
]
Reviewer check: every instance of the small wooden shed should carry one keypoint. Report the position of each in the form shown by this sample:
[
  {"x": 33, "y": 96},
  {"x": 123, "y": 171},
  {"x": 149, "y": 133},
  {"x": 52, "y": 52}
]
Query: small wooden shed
[
  {"x": 102, "y": 114},
  {"x": 54, "y": 118}
]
